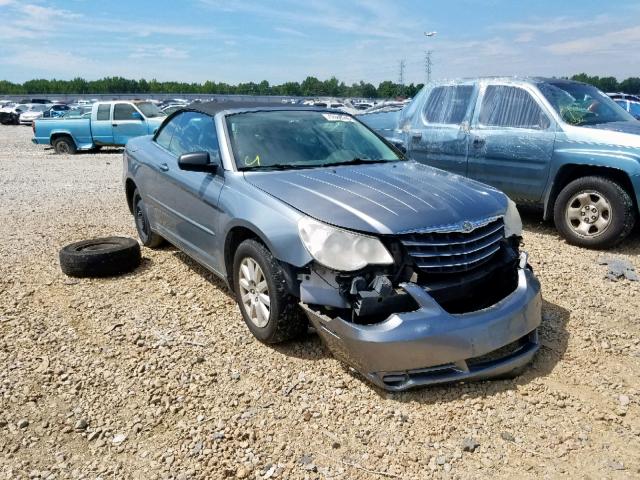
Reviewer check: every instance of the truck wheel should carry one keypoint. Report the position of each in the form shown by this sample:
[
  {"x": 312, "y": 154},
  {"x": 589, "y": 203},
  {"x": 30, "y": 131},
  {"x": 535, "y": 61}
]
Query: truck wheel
[
  {"x": 64, "y": 146},
  {"x": 270, "y": 312},
  {"x": 101, "y": 257},
  {"x": 594, "y": 212},
  {"x": 148, "y": 237}
]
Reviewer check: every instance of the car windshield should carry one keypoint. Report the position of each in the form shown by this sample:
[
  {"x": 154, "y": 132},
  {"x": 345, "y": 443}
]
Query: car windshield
[
  {"x": 303, "y": 139},
  {"x": 150, "y": 110},
  {"x": 39, "y": 108},
  {"x": 580, "y": 104}
]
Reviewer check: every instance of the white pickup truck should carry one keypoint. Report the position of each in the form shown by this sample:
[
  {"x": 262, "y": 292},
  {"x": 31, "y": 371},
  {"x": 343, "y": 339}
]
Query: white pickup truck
[{"x": 111, "y": 123}]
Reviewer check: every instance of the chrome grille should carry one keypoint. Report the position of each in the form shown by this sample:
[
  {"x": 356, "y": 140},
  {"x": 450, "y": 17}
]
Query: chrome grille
[{"x": 449, "y": 252}]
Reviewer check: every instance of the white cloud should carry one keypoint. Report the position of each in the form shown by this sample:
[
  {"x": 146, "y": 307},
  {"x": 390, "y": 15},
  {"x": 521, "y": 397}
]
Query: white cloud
[{"x": 628, "y": 39}]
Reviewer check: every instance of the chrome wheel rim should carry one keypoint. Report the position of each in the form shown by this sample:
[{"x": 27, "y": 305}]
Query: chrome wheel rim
[
  {"x": 588, "y": 213},
  {"x": 254, "y": 292},
  {"x": 63, "y": 147}
]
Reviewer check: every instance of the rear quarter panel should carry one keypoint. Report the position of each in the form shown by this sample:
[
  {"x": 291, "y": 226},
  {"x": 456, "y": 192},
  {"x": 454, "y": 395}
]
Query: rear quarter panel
[{"x": 78, "y": 128}]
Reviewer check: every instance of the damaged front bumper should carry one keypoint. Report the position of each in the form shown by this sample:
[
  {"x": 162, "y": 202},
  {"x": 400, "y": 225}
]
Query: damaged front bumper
[{"x": 429, "y": 346}]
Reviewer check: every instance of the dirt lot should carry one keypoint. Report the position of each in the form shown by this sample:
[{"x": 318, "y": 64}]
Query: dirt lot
[{"x": 154, "y": 375}]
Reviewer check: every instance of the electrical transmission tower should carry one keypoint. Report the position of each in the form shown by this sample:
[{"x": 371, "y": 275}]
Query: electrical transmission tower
[
  {"x": 427, "y": 65},
  {"x": 401, "y": 76}
]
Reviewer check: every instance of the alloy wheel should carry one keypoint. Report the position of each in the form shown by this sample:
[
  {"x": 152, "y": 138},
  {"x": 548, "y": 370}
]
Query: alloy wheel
[
  {"x": 254, "y": 292},
  {"x": 588, "y": 213}
]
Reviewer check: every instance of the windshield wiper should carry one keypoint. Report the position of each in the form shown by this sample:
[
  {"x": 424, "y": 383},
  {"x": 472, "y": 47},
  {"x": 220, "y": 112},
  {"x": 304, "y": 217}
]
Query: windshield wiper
[
  {"x": 277, "y": 166},
  {"x": 356, "y": 161}
]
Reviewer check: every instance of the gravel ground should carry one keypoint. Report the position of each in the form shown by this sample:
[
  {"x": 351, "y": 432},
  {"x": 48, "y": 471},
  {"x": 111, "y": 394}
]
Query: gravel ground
[{"x": 154, "y": 375}]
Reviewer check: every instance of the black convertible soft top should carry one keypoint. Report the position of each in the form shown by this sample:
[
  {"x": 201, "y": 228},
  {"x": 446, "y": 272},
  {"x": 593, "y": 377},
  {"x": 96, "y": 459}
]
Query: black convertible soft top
[{"x": 212, "y": 108}]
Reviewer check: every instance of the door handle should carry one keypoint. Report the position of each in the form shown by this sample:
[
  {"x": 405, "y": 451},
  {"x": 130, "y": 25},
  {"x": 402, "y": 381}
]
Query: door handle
[
  {"x": 164, "y": 167},
  {"x": 478, "y": 142},
  {"x": 114, "y": 124}
]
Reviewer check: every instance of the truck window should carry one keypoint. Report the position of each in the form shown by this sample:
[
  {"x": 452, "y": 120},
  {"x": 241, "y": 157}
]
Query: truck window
[
  {"x": 123, "y": 111},
  {"x": 103, "y": 112},
  {"x": 505, "y": 106},
  {"x": 448, "y": 104}
]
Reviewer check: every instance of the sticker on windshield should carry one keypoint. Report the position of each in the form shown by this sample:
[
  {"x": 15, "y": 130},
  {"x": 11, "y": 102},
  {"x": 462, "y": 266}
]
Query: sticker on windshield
[{"x": 336, "y": 117}]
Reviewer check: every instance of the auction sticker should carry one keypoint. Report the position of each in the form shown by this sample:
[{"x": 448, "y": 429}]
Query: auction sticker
[{"x": 336, "y": 117}]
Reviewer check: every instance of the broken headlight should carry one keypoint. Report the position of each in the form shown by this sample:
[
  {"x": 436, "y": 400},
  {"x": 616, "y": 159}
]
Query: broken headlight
[
  {"x": 512, "y": 221},
  {"x": 339, "y": 249}
]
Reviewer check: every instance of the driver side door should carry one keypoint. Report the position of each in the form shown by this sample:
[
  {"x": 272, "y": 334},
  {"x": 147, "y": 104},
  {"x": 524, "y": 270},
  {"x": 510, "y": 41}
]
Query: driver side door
[
  {"x": 192, "y": 197},
  {"x": 127, "y": 123}
]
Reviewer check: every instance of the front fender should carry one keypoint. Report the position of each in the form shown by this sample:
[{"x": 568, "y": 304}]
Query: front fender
[
  {"x": 276, "y": 223},
  {"x": 625, "y": 160}
]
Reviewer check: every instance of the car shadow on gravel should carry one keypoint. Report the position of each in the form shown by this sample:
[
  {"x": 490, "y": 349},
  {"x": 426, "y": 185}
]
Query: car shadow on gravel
[
  {"x": 532, "y": 220},
  {"x": 308, "y": 347},
  {"x": 554, "y": 338}
]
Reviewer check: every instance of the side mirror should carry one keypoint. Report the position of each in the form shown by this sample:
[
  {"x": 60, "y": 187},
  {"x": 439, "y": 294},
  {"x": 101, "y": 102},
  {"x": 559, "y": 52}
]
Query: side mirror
[
  {"x": 196, "y": 162},
  {"x": 136, "y": 116}
]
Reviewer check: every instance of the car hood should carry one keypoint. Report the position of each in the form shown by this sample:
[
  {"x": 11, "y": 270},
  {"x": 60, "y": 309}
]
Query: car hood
[
  {"x": 632, "y": 126},
  {"x": 384, "y": 198}
]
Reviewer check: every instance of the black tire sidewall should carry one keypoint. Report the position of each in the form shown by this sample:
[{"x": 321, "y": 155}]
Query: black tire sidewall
[
  {"x": 622, "y": 212},
  {"x": 138, "y": 202},
  {"x": 254, "y": 250},
  {"x": 119, "y": 255},
  {"x": 67, "y": 141}
]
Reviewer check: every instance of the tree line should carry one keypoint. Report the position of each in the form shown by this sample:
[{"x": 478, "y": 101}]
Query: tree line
[{"x": 310, "y": 87}]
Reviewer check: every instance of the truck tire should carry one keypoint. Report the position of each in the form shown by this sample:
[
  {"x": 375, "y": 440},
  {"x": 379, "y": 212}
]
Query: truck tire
[
  {"x": 100, "y": 257},
  {"x": 282, "y": 319},
  {"x": 594, "y": 212},
  {"x": 64, "y": 146},
  {"x": 147, "y": 236}
]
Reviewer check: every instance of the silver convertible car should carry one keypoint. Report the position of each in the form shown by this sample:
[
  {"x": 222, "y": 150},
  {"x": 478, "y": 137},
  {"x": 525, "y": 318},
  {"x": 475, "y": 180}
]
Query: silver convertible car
[{"x": 411, "y": 275}]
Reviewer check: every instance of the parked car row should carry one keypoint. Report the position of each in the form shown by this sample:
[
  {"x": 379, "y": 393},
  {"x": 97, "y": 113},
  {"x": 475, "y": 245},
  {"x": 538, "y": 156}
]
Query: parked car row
[{"x": 562, "y": 145}]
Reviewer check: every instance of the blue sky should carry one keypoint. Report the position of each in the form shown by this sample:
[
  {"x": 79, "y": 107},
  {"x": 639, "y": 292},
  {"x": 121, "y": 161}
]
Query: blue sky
[{"x": 282, "y": 40}]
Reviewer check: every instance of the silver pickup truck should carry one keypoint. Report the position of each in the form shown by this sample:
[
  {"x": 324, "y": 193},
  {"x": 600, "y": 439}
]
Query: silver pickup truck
[{"x": 110, "y": 124}]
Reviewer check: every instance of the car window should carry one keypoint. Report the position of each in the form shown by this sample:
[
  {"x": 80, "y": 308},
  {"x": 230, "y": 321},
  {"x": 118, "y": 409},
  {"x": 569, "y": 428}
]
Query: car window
[
  {"x": 505, "y": 106},
  {"x": 165, "y": 134},
  {"x": 448, "y": 104},
  {"x": 103, "y": 112},
  {"x": 622, "y": 103},
  {"x": 634, "y": 109},
  {"x": 196, "y": 132},
  {"x": 123, "y": 111}
]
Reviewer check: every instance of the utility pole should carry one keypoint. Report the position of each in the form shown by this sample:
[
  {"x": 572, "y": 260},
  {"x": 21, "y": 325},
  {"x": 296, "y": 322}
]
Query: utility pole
[
  {"x": 401, "y": 76},
  {"x": 427, "y": 65}
]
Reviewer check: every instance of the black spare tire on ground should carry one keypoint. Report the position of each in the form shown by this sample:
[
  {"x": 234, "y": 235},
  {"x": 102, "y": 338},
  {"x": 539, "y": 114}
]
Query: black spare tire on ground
[{"x": 100, "y": 257}]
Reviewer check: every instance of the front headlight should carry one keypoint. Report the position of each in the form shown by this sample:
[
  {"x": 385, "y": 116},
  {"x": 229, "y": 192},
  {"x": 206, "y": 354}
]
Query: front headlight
[
  {"x": 340, "y": 249},
  {"x": 512, "y": 221}
]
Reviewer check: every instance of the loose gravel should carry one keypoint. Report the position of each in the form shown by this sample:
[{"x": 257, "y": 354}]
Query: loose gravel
[{"x": 154, "y": 375}]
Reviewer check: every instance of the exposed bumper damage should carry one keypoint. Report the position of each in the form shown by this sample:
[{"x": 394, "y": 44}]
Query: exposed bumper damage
[{"x": 428, "y": 345}]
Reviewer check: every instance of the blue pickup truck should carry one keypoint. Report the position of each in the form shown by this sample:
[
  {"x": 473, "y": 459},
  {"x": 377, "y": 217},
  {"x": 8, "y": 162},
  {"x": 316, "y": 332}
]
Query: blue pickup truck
[
  {"x": 561, "y": 145},
  {"x": 110, "y": 124}
]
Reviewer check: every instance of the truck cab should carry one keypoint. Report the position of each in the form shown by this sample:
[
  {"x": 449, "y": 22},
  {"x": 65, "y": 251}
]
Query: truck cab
[{"x": 110, "y": 124}]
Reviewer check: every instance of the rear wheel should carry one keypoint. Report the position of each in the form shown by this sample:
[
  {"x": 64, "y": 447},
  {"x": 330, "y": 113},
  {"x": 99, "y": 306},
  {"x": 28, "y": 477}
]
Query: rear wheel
[
  {"x": 147, "y": 236},
  {"x": 64, "y": 146},
  {"x": 270, "y": 312},
  {"x": 594, "y": 212}
]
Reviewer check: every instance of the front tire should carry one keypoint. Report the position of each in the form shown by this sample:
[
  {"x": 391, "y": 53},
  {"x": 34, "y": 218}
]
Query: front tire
[
  {"x": 147, "y": 236},
  {"x": 594, "y": 212},
  {"x": 270, "y": 312}
]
